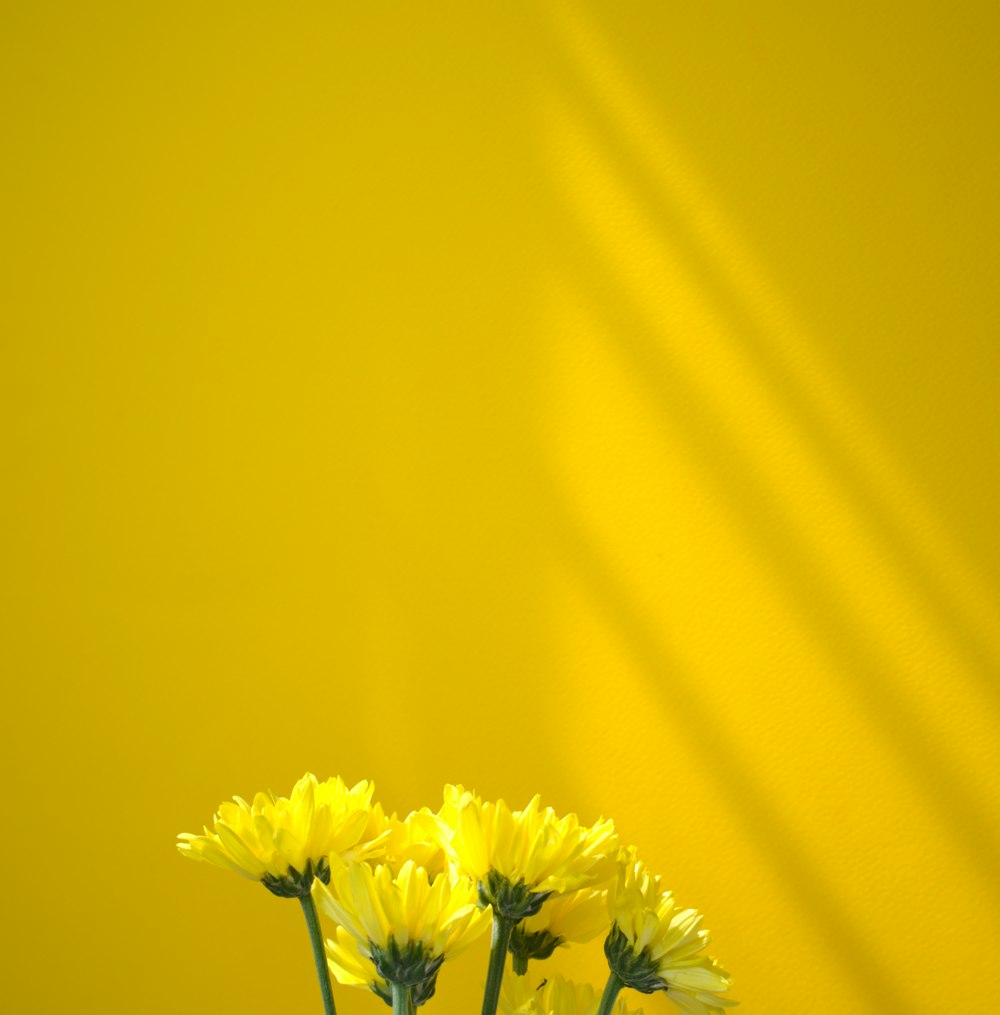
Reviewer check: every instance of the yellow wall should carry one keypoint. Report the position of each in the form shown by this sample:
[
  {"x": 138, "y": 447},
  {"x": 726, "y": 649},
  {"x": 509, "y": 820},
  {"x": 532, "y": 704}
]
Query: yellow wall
[{"x": 596, "y": 398}]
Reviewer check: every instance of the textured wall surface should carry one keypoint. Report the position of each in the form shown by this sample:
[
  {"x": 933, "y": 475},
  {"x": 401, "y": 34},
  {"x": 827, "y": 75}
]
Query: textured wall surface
[{"x": 598, "y": 399}]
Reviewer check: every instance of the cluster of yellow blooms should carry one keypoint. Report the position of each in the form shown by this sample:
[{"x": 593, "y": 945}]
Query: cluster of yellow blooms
[{"x": 405, "y": 895}]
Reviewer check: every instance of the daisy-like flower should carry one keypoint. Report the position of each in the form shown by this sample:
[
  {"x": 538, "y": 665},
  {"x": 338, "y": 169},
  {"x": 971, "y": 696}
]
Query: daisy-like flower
[
  {"x": 399, "y": 926},
  {"x": 519, "y": 859},
  {"x": 578, "y": 917},
  {"x": 284, "y": 842},
  {"x": 556, "y": 997},
  {"x": 418, "y": 837},
  {"x": 287, "y": 843},
  {"x": 653, "y": 945}
]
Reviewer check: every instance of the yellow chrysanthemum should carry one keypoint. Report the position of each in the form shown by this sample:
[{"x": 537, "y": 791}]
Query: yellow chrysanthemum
[
  {"x": 577, "y": 917},
  {"x": 521, "y": 857},
  {"x": 418, "y": 837},
  {"x": 653, "y": 945},
  {"x": 286, "y": 841},
  {"x": 404, "y": 924},
  {"x": 555, "y": 997}
]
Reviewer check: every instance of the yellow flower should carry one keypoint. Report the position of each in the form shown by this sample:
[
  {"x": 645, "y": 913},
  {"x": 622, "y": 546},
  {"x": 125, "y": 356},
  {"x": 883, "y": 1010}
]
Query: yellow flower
[
  {"x": 286, "y": 841},
  {"x": 555, "y": 997},
  {"x": 520, "y": 858},
  {"x": 578, "y": 917},
  {"x": 653, "y": 945},
  {"x": 418, "y": 837},
  {"x": 403, "y": 924}
]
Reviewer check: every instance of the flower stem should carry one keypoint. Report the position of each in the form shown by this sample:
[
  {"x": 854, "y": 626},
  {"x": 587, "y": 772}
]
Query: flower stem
[
  {"x": 402, "y": 1000},
  {"x": 503, "y": 927},
  {"x": 611, "y": 992},
  {"x": 319, "y": 953}
]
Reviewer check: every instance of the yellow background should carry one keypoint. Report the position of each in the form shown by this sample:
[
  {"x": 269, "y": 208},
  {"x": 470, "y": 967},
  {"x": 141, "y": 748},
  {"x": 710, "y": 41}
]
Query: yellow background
[{"x": 591, "y": 398}]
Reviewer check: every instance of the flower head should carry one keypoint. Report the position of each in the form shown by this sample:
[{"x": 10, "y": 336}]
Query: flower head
[
  {"x": 418, "y": 837},
  {"x": 577, "y": 917},
  {"x": 287, "y": 841},
  {"x": 403, "y": 923},
  {"x": 653, "y": 945},
  {"x": 555, "y": 996},
  {"x": 520, "y": 858}
]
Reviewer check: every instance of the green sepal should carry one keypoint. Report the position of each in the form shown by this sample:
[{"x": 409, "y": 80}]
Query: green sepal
[
  {"x": 411, "y": 965},
  {"x": 421, "y": 992},
  {"x": 512, "y": 901},
  {"x": 525, "y": 946},
  {"x": 298, "y": 884},
  {"x": 638, "y": 971}
]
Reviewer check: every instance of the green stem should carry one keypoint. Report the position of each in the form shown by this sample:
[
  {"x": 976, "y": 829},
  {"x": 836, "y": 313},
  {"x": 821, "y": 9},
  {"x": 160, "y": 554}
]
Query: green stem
[
  {"x": 402, "y": 1000},
  {"x": 319, "y": 953},
  {"x": 611, "y": 992},
  {"x": 503, "y": 927}
]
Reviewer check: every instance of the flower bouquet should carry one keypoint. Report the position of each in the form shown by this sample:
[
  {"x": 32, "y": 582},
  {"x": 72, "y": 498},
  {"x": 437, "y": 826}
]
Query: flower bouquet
[{"x": 402, "y": 896}]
